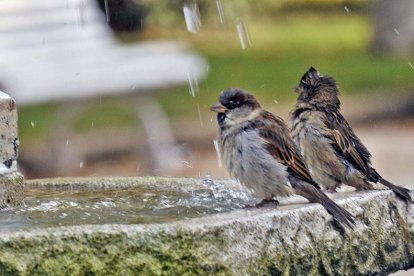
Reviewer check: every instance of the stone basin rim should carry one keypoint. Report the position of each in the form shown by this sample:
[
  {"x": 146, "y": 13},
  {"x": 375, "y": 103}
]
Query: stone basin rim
[{"x": 349, "y": 199}]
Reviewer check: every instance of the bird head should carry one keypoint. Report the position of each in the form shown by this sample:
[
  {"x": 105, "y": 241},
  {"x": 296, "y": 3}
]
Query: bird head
[
  {"x": 318, "y": 90},
  {"x": 235, "y": 106}
]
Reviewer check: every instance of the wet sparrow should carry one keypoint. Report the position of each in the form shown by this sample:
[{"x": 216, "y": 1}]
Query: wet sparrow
[
  {"x": 258, "y": 151},
  {"x": 331, "y": 150}
]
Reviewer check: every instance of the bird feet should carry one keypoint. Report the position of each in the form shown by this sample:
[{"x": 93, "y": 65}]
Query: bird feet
[{"x": 263, "y": 202}]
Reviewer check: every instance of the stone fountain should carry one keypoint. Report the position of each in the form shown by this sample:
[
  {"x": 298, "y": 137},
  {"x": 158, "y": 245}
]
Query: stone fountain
[{"x": 175, "y": 226}]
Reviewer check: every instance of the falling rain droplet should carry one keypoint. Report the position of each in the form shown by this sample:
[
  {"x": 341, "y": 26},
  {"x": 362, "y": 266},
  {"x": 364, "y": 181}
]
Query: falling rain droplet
[
  {"x": 193, "y": 83},
  {"x": 243, "y": 35},
  {"x": 81, "y": 164},
  {"x": 106, "y": 11},
  {"x": 411, "y": 65},
  {"x": 32, "y": 123},
  {"x": 216, "y": 146},
  {"x": 199, "y": 115},
  {"x": 67, "y": 142},
  {"x": 92, "y": 124},
  {"x": 396, "y": 31},
  {"x": 192, "y": 16},
  {"x": 82, "y": 14},
  {"x": 220, "y": 11},
  {"x": 346, "y": 9},
  {"x": 188, "y": 164},
  {"x": 276, "y": 102}
]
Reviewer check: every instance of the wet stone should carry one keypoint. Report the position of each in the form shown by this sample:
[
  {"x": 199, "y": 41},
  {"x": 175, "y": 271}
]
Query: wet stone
[
  {"x": 11, "y": 182},
  {"x": 295, "y": 237}
]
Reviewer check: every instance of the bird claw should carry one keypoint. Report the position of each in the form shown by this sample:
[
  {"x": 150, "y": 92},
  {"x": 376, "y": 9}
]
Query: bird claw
[{"x": 263, "y": 202}]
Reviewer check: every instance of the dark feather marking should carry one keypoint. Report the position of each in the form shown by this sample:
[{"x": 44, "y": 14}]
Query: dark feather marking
[{"x": 281, "y": 146}]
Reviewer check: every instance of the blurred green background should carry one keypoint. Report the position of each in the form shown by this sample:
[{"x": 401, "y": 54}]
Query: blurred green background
[{"x": 286, "y": 38}]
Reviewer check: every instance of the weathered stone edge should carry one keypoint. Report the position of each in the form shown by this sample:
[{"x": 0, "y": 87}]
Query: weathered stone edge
[
  {"x": 115, "y": 183},
  {"x": 298, "y": 239}
]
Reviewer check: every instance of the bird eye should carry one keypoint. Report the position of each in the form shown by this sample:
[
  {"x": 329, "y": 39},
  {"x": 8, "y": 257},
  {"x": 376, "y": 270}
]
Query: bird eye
[{"x": 233, "y": 104}]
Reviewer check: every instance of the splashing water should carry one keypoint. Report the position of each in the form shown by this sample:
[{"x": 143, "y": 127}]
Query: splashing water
[
  {"x": 192, "y": 16},
  {"x": 243, "y": 34},
  {"x": 221, "y": 192},
  {"x": 193, "y": 84},
  {"x": 216, "y": 146},
  {"x": 220, "y": 11},
  {"x": 133, "y": 206}
]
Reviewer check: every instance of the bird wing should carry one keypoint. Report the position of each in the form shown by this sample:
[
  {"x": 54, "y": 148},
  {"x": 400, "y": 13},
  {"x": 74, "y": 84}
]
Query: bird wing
[
  {"x": 281, "y": 146},
  {"x": 347, "y": 144}
]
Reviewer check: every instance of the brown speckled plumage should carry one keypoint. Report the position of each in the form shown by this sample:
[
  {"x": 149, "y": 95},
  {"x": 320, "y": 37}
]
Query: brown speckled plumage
[
  {"x": 331, "y": 150},
  {"x": 258, "y": 150}
]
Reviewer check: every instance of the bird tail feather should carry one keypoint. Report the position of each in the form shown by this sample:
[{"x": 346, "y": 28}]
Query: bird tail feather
[
  {"x": 403, "y": 193},
  {"x": 317, "y": 196}
]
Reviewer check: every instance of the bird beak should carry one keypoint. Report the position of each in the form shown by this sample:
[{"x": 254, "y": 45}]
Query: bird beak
[{"x": 219, "y": 108}]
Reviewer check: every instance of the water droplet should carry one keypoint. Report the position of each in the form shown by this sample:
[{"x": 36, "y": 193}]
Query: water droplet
[
  {"x": 193, "y": 83},
  {"x": 216, "y": 146},
  {"x": 188, "y": 164},
  {"x": 396, "y": 31},
  {"x": 81, "y": 164},
  {"x": 220, "y": 11},
  {"x": 199, "y": 114},
  {"x": 192, "y": 16},
  {"x": 32, "y": 123},
  {"x": 67, "y": 141},
  {"x": 92, "y": 124},
  {"x": 106, "y": 10},
  {"x": 276, "y": 102},
  {"x": 411, "y": 65},
  {"x": 243, "y": 34},
  {"x": 82, "y": 14},
  {"x": 346, "y": 9}
]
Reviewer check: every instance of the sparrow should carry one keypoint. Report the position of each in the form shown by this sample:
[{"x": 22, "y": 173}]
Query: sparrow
[
  {"x": 258, "y": 151},
  {"x": 331, "y": 150}
]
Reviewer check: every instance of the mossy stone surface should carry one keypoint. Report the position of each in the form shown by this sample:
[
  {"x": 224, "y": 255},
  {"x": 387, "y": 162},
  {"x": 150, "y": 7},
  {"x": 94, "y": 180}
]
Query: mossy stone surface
[{"x": 295, "y": 239}]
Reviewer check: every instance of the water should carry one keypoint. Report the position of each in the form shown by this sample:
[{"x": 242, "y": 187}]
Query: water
[
  {"x": 243, "y": 34},
  {"x": 133, "y": 206},
  {"x": 193, "y": 88},
  {"x": 192, "y": 16},
  {"x": 220, "y": 11},
  {"x": 106, "y": 11},
  {"x": 217, "y": 148}
]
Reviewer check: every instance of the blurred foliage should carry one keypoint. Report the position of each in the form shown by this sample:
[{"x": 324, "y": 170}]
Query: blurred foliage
[
  {"x": 282, "y": 49},
  {"x": 35, "y": 121},
  {"x": 284, "y": 45},
  {"x": 106, "y": 113},
  {"x": 169, "y": 12}
]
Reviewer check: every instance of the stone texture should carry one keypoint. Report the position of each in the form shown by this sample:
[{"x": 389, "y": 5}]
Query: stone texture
[
  {"x": 11, "y": 189},
  {"x": 9, "y": 140},
  {"x": 296, "y": 239},
  {"x": 11, "y": 182}
]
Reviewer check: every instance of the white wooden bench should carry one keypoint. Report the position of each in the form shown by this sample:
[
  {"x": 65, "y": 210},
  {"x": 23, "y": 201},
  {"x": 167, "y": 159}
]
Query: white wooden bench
[
  {"x": 59, "y": 50},
  {"x": 63, "y": 49}
]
